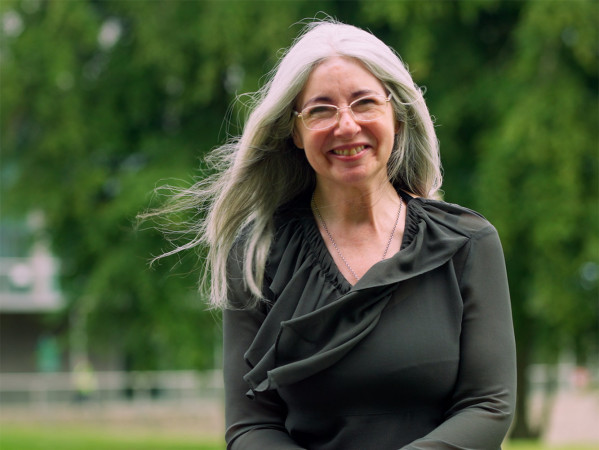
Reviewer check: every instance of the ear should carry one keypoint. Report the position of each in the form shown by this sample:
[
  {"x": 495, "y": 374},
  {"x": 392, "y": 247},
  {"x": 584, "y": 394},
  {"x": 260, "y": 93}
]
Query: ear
[
  {"x": 297, "y": 138},
  {"x": 397, "y": 127}
]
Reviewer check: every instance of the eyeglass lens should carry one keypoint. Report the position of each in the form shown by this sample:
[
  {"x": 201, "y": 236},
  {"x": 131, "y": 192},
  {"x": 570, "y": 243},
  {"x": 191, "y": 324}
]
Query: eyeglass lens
[{"x": 364, "y": 109}]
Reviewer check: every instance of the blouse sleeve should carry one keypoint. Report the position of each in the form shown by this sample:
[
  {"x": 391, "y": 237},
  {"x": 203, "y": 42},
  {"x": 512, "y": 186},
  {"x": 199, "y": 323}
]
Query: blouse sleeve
[
  {"x": 482, "y": 404},
  {"x": 257, "y": 423}
]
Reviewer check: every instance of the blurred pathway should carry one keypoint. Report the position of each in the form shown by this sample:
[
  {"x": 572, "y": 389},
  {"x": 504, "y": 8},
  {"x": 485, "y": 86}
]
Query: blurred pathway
[
  {"x": 202, "y": 418},
  {"x": 574, "y": 419}
]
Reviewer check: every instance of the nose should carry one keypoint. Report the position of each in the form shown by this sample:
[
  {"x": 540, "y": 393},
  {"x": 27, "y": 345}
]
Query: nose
[{"x": 347, "y": 125}]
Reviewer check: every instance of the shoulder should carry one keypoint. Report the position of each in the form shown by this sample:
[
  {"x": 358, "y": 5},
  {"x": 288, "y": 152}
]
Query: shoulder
[
  {"x": 237, "y": 292},
  {"x": 285, "y": 236},
  {"x": 448, "y": 222},
  {"x": 295, "y": 209},
  {"x": 455, "y": 218},
  {"x": 289, "y": 219}
]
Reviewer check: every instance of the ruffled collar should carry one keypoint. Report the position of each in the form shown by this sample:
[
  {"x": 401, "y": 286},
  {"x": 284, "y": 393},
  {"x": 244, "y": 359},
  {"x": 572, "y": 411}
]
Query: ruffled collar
[{"x": 318, "y": 316}]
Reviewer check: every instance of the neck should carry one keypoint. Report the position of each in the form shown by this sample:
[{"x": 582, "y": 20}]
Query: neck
[
  {"x": 355, "y": 205},
  {"x": 357, "y": 228}
]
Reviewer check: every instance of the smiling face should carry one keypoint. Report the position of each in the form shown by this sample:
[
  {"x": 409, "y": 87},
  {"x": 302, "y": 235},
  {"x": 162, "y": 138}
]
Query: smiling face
[{"x": 350, "y": 153}]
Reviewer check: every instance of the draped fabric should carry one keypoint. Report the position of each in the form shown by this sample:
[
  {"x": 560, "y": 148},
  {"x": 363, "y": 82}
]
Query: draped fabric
[{"x": 318, "y": 324}]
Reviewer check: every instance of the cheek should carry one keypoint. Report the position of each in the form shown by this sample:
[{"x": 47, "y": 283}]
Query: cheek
[
  {"x": 386, "y": 131},
  {"x": 310, "y": 141}
]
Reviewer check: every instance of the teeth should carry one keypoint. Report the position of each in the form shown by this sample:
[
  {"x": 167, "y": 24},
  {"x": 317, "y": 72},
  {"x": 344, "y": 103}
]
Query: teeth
[{"x": 349, "y": 151}]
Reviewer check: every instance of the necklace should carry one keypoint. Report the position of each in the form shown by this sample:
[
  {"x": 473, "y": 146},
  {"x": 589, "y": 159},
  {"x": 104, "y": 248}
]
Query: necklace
[{"x": 326, "y": 229}]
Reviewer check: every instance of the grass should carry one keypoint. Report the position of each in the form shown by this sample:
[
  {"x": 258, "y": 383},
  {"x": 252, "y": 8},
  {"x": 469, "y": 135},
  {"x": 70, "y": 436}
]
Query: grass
[
  {"x": 62, "y": 437},
  {"x": 535, "y": 445}
]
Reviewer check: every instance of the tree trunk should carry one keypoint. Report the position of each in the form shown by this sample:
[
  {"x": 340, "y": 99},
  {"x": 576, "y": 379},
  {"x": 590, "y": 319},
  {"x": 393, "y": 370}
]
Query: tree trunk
[{"x": 524, "y": 334}]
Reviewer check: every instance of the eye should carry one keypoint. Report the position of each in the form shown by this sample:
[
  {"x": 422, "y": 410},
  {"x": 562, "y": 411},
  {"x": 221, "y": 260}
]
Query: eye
[
  {"x": 365, "y": 103},
  {"x": 320, "y": 111}
]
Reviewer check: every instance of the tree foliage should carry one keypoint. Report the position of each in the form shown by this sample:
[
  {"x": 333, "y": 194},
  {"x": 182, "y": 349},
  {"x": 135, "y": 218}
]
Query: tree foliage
[{"x": 102, "y": 101}]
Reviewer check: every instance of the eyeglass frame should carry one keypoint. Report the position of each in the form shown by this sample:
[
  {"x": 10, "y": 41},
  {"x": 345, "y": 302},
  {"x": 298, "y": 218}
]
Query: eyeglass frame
[{"x": 339, "y": 109}]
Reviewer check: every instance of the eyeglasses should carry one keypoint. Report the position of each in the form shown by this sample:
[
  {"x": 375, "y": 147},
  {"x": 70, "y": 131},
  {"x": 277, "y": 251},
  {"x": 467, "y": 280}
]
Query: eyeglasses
[{"x": 364, "y": 109}]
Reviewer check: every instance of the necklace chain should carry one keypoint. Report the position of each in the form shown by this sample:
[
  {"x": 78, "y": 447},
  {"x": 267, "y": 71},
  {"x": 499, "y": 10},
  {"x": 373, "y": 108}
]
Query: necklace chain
[{"x": 326, "y": 229}]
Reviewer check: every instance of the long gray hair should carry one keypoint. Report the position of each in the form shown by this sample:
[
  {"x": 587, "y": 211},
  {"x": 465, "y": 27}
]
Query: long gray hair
[{"x": 262, "y": 169}]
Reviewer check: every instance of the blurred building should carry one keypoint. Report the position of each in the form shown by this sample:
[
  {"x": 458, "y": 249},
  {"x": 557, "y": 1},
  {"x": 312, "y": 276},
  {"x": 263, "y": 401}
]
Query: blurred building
[
  {"x": 44, "y": 354},
  {"x": 28, "y": 292}
]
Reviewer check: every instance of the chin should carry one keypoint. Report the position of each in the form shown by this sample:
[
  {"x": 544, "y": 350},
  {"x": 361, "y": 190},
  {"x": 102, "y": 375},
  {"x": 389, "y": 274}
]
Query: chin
[{"x": 359, "y": 175}]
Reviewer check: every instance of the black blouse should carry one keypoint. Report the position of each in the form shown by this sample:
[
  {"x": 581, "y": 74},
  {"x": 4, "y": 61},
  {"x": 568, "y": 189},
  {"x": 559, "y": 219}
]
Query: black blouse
[{"x": 418, "y": 354}]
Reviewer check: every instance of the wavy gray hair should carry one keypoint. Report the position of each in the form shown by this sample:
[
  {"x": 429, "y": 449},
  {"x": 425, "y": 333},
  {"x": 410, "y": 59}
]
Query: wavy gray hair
[{"x": 262, "y": 169}]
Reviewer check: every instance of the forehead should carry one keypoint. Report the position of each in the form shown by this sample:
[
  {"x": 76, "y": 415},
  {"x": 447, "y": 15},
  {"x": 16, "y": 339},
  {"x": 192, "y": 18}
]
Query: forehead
[{"x": 339, "y": 78}]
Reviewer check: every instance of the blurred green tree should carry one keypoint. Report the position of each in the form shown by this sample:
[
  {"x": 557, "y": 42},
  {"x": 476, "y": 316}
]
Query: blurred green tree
[
  {"x": 545, "y": 197},
  {"x": 102, "y": 100},
  {"x": 515, "y": 88}
]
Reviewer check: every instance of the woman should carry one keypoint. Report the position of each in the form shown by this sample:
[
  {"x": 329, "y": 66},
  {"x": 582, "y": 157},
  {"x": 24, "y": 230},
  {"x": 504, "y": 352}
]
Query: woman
[{"x": 359, "y": 312}]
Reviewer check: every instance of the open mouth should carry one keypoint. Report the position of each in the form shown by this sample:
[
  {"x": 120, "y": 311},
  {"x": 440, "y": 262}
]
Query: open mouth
[{"x": 349, "y": 151}]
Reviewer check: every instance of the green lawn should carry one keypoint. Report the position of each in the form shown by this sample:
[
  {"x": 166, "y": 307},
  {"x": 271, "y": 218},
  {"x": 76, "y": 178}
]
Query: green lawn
[
  {"x": 61, "y": 437},
  {"x": 534, "y": 445}
]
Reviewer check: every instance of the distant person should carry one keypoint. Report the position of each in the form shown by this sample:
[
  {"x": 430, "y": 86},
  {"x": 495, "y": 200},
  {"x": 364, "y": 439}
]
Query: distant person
[
  {"x": 360, "y": 312},
  {"x": 84, "y": 380}
]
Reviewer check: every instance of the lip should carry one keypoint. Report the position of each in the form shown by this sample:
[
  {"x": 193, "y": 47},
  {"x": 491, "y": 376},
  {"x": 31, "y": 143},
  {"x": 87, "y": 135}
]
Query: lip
[{"x": 352, "y": 151}]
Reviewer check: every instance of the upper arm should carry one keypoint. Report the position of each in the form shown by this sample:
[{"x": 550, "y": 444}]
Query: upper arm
[
  {"x": 243, "y": 414},
  {"x": 259, "y": 422},
  {"x": 487, "y": 344}
]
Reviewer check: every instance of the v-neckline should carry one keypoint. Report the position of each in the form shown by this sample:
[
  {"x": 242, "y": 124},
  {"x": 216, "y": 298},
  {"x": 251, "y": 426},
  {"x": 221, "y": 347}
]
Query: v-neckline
[{"x": 329, "y": 263}]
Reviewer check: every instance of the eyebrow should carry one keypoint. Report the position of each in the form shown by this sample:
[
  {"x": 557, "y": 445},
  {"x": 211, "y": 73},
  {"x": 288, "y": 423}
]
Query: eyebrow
[{"x": 325, "y": 99}]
